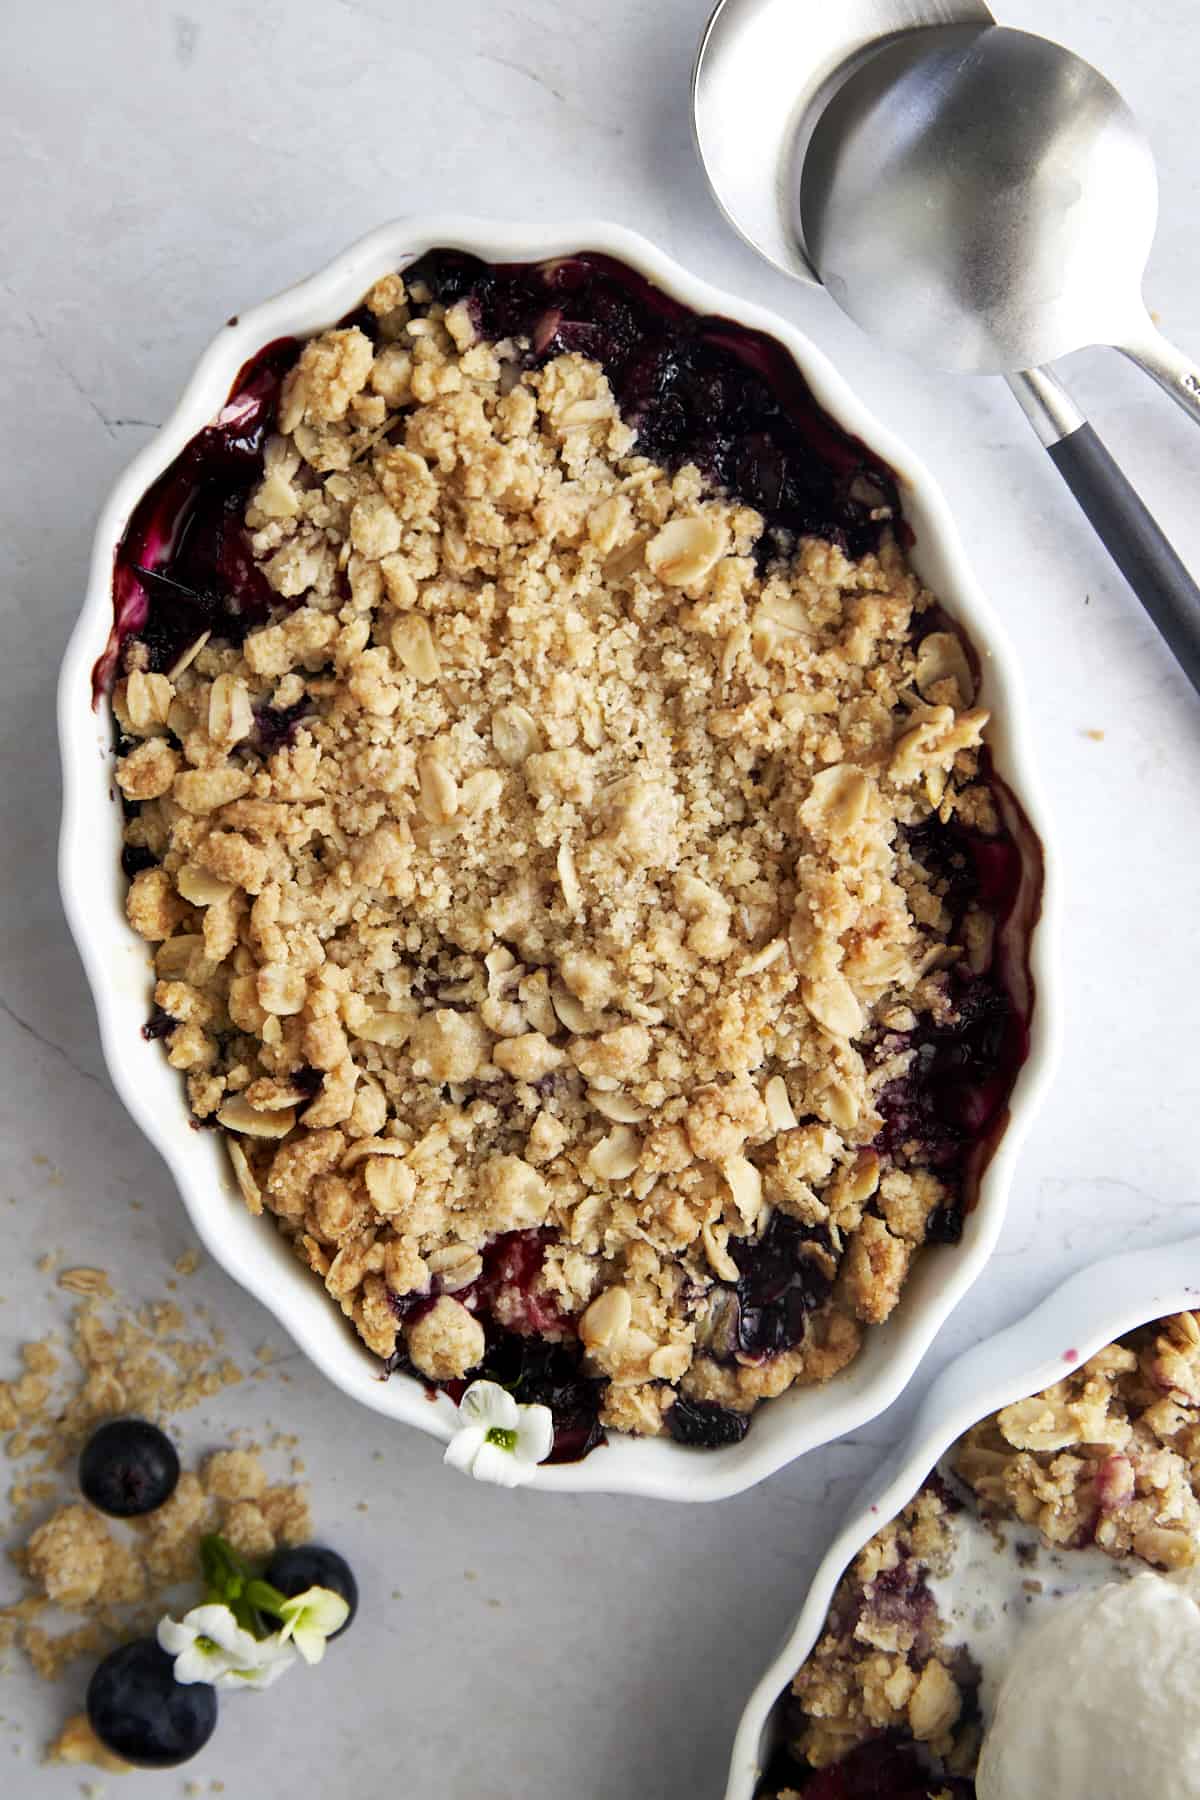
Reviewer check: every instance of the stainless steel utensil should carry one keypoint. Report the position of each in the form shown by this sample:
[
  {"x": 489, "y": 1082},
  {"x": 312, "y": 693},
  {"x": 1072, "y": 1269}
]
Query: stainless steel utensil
[
  {"x": 984, "y": 200},
  {"x": 769, "y": 75},
  {"x": 763, "y": 72}
]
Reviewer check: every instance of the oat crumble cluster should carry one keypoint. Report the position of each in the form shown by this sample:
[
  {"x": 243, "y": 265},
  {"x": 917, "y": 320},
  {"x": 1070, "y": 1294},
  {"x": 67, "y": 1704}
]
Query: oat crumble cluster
[
  {"x": 1108, "y": 1456},
  {"x": 536, "y": 890}
]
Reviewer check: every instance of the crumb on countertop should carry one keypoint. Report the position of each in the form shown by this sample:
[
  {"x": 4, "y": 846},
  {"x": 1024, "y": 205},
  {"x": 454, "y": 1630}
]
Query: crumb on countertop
[{"x": 89, "y": 1581}]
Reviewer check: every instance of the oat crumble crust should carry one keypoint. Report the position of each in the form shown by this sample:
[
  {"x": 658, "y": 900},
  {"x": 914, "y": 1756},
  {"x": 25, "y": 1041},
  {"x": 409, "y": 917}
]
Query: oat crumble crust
[
  {"x": 577, "y": 900},
  {"x": 1109, "y": 1456}
]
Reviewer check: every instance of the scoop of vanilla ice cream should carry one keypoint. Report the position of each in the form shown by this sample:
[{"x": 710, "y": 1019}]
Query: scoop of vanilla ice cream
[{"x": 1102, "y": 1698}]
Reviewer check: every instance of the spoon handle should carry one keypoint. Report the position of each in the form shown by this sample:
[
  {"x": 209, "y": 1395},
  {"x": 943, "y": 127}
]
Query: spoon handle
[
  {"x": 1128, "y": 531},
  {"x": 1174, "y": 371}
]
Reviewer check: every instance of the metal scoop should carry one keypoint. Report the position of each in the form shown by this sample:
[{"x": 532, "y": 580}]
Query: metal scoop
[
  {"x": 984, "y": 200},
  {"x": 944, "y": 177}
]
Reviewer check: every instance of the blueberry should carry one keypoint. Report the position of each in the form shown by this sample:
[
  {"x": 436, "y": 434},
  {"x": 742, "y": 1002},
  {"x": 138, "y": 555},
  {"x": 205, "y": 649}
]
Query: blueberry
[
  {"x": 141, "y": 1713},
  {"x": 706, "y": 1425},
  {"x": 292, "y": 1571},
  {"x": 135, "y": 858},
  {"x": 128, "y": 1467},
  {"x": 783, "y": 1278},
  {"x": 158, "y": 1025}
]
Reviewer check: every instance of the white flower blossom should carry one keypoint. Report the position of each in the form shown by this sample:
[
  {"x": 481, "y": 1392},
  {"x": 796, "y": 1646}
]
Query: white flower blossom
[
  {"x": 497, "y": 1440},
  {"x": 275, "y": 1658},
  {"x": 311, "y": 1618},
  {"x": 209, "y": 1645}
]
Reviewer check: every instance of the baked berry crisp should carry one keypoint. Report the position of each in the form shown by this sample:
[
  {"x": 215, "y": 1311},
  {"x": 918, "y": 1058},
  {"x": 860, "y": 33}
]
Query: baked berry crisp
[
  {"x": 1105, "y": 1464},
  {"x": 577, "y": 886}
]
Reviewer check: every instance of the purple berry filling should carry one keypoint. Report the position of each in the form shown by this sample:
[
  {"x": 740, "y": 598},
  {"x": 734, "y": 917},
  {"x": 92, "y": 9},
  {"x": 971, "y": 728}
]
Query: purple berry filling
[
  {"x": 887, "y": 1768},
  {"x": 537, "y": 1369},
  {"x": 699, "y": 390},
  {"x": 276, "y": 726},
  {"x": 705, "y": 1425},
  {"x": 184, "y": 564},
  {"x": 783, "y": 1279},
  {"x": 134, "y": 859},
  {"x": 158, "y": 1025}
]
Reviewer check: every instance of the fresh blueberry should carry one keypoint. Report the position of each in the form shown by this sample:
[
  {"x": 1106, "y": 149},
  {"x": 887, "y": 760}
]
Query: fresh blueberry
[
  {"x": 292, "y": 1571},
  {"x": 128, "y": 1467},
  {"x": 141, "y": 1713},
  {"x": 706, "y": 1425}
]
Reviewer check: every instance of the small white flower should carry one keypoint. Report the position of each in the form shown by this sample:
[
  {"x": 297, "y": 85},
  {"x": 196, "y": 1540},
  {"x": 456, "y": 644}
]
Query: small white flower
[
  {"x": 312, "y": 1617},
  {"x": 209, "y": 1645},
  {"x": 497, "y": 1440},
  {"x": 274, "y": 1659}
]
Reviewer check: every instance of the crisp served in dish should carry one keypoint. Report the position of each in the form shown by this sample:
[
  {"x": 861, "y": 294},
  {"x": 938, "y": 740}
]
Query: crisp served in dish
[
  {"x": 1024, "y": 1624},
  {"x": 577, "y": 885}
]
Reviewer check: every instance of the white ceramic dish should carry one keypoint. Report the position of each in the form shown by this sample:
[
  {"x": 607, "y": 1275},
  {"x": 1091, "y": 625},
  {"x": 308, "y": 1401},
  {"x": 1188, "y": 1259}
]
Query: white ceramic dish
[
  {"x": 1095, "y": 1306},
  {"x": 116, "y": 964}
]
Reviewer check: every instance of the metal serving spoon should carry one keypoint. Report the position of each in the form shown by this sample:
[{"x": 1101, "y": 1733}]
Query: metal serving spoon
[
  {"x": 984, "y": 200},
  {"x": 778, "y": 88}
]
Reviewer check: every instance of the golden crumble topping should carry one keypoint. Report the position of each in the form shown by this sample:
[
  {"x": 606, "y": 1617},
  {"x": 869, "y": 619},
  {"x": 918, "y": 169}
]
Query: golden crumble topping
[
  {"x": 539, "y": 865},
  {"x": 881, "y": 1665},
  {"x": 1109, "y": 1456}
]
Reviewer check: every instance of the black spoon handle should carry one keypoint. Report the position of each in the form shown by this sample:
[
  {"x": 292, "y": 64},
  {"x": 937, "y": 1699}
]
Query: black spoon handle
[{"x": 1125, "y": 526}]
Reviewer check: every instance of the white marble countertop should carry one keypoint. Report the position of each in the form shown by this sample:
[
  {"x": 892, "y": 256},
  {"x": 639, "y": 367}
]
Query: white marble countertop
[{"x": 163, "y": 167}]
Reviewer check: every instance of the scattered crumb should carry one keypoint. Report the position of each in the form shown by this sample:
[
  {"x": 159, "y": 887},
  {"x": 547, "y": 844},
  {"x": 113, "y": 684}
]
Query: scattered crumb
[
  {"x": 87, "y": 1281},
  {"x": 1097, "y": 737},
  {"x": 92, "y": 1582},
  {"x": 188, "y": 1263},
  {"x": 45, "y": 1264},
  {"x": 78, "y": 1743},
  {"x": 234, "y": 1475}
]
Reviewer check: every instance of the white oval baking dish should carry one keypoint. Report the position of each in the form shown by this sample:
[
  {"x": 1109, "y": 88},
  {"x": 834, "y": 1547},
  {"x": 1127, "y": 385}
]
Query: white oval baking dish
[{"x": 116, "y": 963}]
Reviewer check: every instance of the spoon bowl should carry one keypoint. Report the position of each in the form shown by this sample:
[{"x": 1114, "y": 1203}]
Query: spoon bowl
[
  {"x": 984, "y": 201},
  {"x": 763, "y": 73}
]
